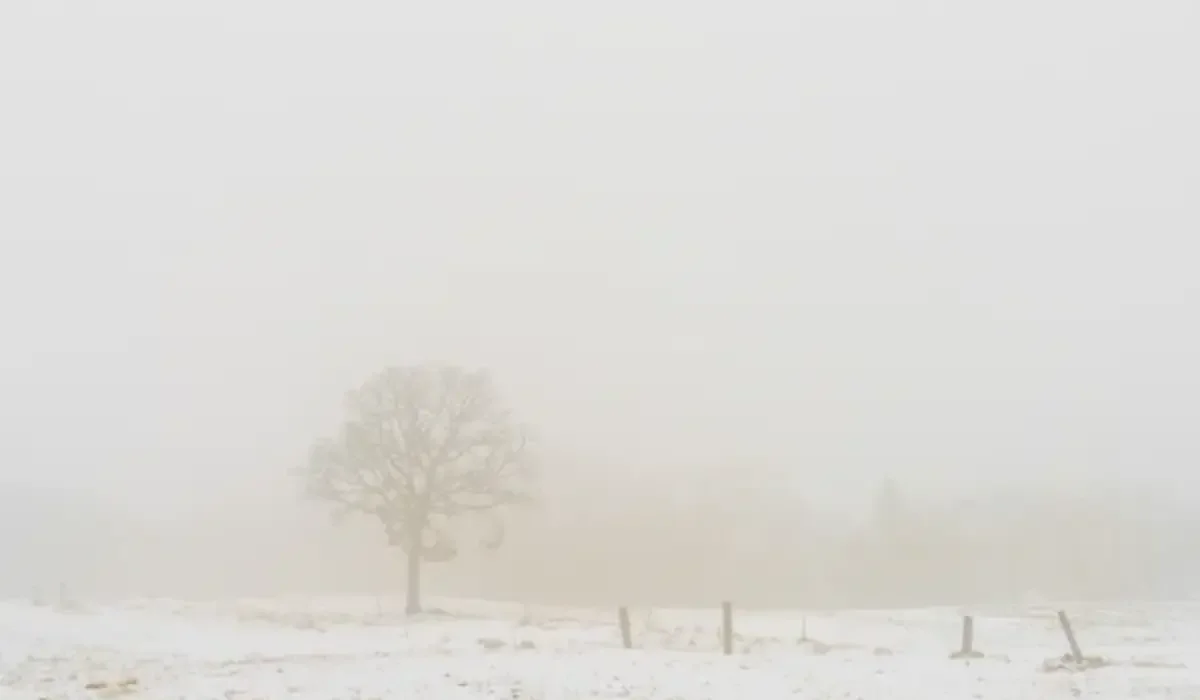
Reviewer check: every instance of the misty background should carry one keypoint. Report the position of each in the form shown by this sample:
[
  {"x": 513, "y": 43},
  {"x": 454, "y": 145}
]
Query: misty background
[{"x": 740, "y": 266}]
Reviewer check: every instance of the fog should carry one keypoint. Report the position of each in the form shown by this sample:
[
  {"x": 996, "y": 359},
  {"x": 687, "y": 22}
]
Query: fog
[{"x": 739, "y": 266}]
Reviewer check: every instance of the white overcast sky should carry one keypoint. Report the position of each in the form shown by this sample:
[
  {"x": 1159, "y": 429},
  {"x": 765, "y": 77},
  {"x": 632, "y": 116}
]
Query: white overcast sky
[{"x": 947, "y": 241}]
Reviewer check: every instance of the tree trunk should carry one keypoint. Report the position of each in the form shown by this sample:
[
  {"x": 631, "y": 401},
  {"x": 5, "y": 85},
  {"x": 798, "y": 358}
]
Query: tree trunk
[{"x": 412, "y": 605}]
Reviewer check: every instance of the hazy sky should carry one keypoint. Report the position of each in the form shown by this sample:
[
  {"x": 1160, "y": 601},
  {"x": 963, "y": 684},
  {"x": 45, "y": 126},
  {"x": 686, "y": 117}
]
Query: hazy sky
[{"x": 934, "y": 239}]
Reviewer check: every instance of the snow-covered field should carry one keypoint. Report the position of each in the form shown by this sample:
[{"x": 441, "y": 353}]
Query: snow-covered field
[{"x": 362, "y": 648}]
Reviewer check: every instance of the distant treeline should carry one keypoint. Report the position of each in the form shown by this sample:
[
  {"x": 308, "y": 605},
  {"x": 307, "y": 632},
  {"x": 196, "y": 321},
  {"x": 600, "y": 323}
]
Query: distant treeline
[
  {"x": 641, "y": 542},
  {"x": 766, "y": 547}
]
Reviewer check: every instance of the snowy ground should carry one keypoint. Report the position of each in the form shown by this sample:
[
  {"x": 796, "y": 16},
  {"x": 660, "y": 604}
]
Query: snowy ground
[{"x": 330, "y": 649}]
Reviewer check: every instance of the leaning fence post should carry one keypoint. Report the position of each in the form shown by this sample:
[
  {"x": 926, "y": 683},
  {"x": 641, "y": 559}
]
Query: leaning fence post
[
  {"x": 626, "y": 631},
  {"x": 727, "y": 627},
  {"x": 1076, "y": 653}
]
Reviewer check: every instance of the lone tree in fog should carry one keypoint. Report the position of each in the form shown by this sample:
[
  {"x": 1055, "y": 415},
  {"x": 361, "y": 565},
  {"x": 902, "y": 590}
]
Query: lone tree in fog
[{"x": 421, "y": 447}]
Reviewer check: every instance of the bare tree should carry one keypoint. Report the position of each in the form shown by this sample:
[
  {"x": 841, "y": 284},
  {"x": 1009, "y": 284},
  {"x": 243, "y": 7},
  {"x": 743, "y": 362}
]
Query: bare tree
[{"x": 420, "y": 448}]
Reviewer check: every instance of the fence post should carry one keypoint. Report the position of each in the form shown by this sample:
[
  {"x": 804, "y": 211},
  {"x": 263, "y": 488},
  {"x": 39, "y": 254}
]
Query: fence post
[
  {"x": 727, "y": 627},
  {"x": 1076, "y": 653},
  {"x": 968, "y": 641},
  {"x": 626, "y": 630}
]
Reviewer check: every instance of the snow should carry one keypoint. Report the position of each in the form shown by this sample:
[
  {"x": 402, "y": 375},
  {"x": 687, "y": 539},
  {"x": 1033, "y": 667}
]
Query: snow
[{"x": 362, "y": 648}]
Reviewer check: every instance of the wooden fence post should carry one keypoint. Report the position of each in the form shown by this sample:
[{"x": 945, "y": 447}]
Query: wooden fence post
[
  {"x": 1076, "y": 653},
  {"x": 626, "y": 630},
  {"x": 727, "y": 627},
  {"x": 968, "y": 641}
]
